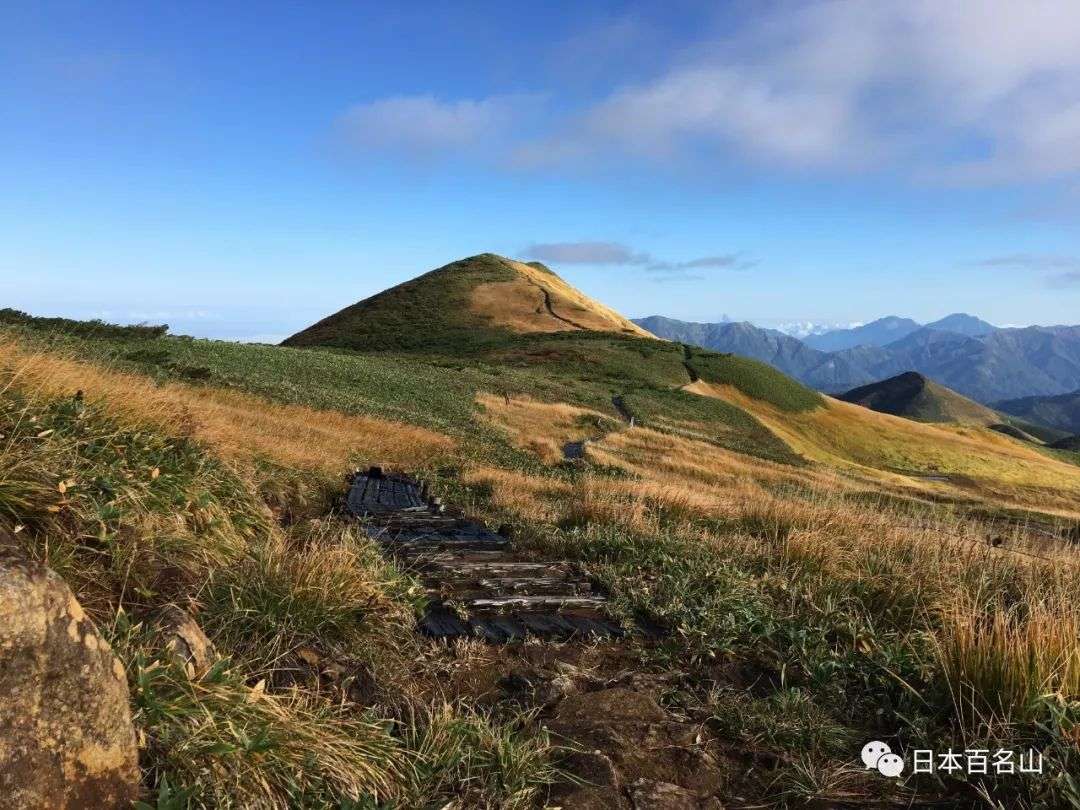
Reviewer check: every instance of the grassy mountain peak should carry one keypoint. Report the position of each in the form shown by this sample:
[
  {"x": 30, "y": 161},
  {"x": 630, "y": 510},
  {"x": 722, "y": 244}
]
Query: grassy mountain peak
[{"x": 470, "y": 303}]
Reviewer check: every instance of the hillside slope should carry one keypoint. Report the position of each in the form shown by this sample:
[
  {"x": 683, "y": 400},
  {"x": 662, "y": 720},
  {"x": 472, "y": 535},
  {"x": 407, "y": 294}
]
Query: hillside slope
[
  {"x": 472, "y": 302},
  {"x": 1061, "y": 412},
  {"x": 769, "y": 529},
  {"x": 913, "y": 396}
]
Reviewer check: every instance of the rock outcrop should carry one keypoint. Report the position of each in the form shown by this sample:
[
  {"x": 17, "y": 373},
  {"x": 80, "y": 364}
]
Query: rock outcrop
[
  {"x": 66, "y": 737},
  {"x": 184, "y": 641},
  {"x": 627, "y": 752}
]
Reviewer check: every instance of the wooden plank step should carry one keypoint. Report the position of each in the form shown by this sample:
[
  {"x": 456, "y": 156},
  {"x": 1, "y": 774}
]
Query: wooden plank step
[
  {"x": 405, "y": 534},
  {"x": 499, "y": 578},
  {"x": 376, "y": 494},
  {"x": 442, "y": 623},
  {"x": 425, "y": 545},
  {"x": 484, "y": 557},
  {"x": 495, "y": 567},
  {"x": 470, "y": 591},
  {"x": 540, "y": 600},
  {"x": 498, "y": 629}
]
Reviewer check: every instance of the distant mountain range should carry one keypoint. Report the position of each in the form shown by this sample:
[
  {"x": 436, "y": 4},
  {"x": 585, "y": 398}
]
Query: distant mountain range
[
  {"x": 890, "y": 329},
  {"x": 969, "y": 355}
]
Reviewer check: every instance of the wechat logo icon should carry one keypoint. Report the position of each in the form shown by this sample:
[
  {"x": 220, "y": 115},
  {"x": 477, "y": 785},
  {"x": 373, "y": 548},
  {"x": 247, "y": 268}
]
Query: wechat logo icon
[{"x": 876, "y": 754}]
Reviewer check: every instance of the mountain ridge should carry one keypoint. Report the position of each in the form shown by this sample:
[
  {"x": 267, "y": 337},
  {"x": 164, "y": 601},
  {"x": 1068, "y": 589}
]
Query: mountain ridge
[{"x": 1006, "y": 363}]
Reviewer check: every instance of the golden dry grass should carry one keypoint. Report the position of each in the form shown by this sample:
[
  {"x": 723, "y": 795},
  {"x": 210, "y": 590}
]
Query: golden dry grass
[
  {"x": 236, "y": 424},
  {"x": 515, "y": 305},
  {"x": 999, "y": 662},
  {"x": 519, "y": 305},
  {"x": 1021, "y": 642},
  {"x": 519, "y": 493},
  {"x": 971, "y": 461},
  {"x": 542, "y": 428}
]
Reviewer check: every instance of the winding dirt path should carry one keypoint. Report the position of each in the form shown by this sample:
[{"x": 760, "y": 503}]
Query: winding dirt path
[
  {"x": 620, "y": 406},
  {"x": 554, "y": 314}
]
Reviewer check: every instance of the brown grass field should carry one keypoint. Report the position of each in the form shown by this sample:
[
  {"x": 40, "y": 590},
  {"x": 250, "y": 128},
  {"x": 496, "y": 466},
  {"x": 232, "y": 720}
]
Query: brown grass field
[{"x": 236, "y": 424}]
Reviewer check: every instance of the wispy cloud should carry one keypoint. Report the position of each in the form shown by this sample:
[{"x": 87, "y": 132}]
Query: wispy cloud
[
  {"x": 586, "y": 253},
  {"x": 424, "y": 127},
  {"x": 617, "y": 254},
  {"x": 972, "y": 91},
  {"x": 728, "y": 261},
  {"x": 1032, "y": 261},
  {"x": 1059, "y": 280},
  {"x": 1058, "y": 271}
]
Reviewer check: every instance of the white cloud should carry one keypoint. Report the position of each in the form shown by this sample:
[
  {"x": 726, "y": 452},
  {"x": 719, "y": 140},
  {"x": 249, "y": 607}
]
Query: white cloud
[
  {"x": 585, "y": 253},
  {"x": 954, "y": 91},
  {"x": 850, "y": 83},
  {"x": 615, "y": 253},
  {"x": 425, "y": 127}
]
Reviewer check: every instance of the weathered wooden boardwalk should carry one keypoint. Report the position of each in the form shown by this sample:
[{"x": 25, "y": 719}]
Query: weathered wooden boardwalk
[{"x": 478, "y": 584}]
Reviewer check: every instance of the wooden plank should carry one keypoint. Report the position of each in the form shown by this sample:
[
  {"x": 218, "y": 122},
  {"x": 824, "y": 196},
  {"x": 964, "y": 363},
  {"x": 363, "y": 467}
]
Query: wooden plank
[
  {"x": 441, "y": 623},
  {"x": 515, "y": 600}
]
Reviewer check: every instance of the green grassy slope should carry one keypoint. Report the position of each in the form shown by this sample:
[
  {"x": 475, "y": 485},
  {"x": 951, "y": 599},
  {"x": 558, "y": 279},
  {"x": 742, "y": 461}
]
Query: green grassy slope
[
  {"x": 429, "y": 312},
  {"x": 438, "y": 392},
  {"x": 752, "y": 377}
]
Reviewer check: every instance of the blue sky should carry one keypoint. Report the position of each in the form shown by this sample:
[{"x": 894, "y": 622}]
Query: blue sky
[{"x": 238, "y": 170}]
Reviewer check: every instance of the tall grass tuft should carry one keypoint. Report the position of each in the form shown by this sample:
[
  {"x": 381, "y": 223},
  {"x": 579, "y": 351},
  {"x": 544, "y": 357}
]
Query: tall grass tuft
[
  {"x": 224, "y": 743},
  {"x": 1000, "y": 663},
  {"x": 325, "y": 594},
  {"x": 479, "y": 761}
]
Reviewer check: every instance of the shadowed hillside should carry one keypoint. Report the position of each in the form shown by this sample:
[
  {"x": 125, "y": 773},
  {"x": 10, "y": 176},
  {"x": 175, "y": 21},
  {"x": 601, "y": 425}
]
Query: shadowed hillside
[
  {"x": 1068, "y": 443},
  {"x": 913, "y": 396}
]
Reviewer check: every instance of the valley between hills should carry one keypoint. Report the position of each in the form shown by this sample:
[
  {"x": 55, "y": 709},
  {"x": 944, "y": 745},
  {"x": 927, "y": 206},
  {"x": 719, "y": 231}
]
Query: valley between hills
[{"x": 899, "y": 562}]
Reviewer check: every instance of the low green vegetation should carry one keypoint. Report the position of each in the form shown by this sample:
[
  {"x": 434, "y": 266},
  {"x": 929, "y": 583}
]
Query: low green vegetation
[
  {"x": 753, "y": 378},
  {"x": 707, "y": 418},
  {"x": 86, "y": 329},
  {"x": 427, "y": 313}
]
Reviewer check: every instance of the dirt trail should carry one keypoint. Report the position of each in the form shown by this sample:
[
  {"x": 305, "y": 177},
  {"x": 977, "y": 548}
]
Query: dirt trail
[
  {"x": 619, "y": 404},
  {"x": 623, "y": 750},
  {"x": 694, "y": 376},
  {"x": 551, "y": 310}
]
